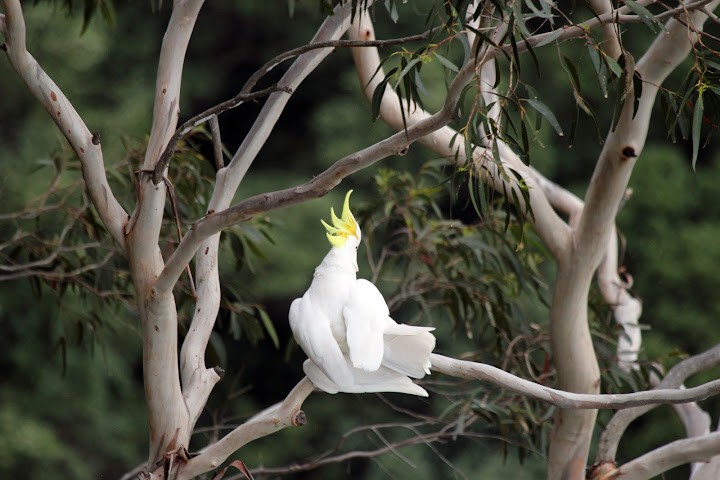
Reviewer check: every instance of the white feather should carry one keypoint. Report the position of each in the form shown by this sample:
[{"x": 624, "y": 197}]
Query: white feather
[
  {"x": 344, "y": 326},
  {"x": 365, "y": 314}
]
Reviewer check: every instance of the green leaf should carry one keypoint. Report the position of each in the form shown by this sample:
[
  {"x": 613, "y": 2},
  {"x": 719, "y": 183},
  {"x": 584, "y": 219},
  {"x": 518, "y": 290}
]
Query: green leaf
[
  {"x": 517, "y": 10},
  {"x": 573, "y": 127},
  {"x": 600, "y": 67},
  {"x": 108, "y": 11},
  {"x": 378, "y": 94},
  {"x": 472, "y": 193},
  {"x": 516, "y": 55},
  {"x": 550, "y": 38},
  {"x": 697, "y": 127},
  {"x": 544, "y": 13},
  {"x": 406, "y": 69},
  {"x": 447, "y": 63},
  {"x": 543, "y": 110},
  {"x": 533, "y": 56},
  {"x": 525, "y": 148},
  {"x": 573, "y": 71},
  {"x": 614, "y": 66},
  {"x": 586, "y": 108},
  {"x": 269, "y": 327},
  {"x": 88, "y": 13},
  {"x": 391, "y": 7},
  {"x": 645, "y": 15}
]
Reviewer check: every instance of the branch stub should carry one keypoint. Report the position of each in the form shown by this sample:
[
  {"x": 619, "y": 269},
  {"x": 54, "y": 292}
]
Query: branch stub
[{"x": 299, "y": 419}]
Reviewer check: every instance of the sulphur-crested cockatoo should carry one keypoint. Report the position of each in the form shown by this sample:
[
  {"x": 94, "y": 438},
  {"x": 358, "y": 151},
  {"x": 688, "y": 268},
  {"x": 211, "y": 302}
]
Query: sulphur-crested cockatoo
[{"x": 343, "y": 324}]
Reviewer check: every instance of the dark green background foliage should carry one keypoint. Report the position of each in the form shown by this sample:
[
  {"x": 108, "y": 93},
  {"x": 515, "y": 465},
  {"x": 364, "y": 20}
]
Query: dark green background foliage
[{"x": 444, "y": 250}]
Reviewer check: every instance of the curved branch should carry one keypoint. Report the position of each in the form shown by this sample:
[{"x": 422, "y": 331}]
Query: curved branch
[
  {"x": 284, "y": 414},
  {"x": 626, "y": 308},
  {"x": 168, "y": 415},
  {"x": 448, "y": 143},
  {"x": 569, "y": 400},
  {"x": 71, "y": 125},
  {"x": 187, "y": 127},
  {"x": 668, "y": 456},
  {"x": 166, "y": 111},
  {"x": 610, "y": 438}
]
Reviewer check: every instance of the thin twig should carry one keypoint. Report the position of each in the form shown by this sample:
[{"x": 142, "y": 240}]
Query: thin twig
[
  {"x": 187, "y": 127},
  {"x": 245, "y": 95}
]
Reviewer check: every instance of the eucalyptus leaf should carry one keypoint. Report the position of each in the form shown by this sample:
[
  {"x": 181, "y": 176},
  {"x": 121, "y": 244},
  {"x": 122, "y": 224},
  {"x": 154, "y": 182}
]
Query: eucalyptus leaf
[{"x": 543, "y": 110}]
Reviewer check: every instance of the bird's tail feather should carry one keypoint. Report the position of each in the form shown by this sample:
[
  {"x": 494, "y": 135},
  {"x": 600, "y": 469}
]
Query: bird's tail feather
[
  {"x": 409, "y": 354},
  {"x": 392, "y": 328}
]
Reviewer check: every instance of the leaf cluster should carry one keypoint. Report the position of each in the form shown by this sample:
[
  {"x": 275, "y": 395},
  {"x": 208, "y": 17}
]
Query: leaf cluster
[
  {"x": 472, "y": 274},
  {"x": 693, "y": 111}
]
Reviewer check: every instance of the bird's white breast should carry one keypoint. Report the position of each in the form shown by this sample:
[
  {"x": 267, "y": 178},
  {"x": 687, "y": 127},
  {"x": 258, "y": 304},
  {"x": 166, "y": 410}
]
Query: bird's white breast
[{"x": 332, "y": 292}]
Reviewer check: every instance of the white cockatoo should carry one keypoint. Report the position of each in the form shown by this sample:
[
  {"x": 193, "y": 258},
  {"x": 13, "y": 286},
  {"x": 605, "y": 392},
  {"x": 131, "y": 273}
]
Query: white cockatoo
[{"x": 343, "y": 324}]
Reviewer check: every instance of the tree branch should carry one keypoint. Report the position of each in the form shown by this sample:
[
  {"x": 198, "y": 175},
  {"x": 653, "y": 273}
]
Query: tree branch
[
  {"x": 610, "y": 31},
  {"x": 71, "y": 125},
  {"x": 169, "y": 418},
  {"x": 569, "y": 400},
  {"x": 315, "y": 188},
  {"x": 626, "y": 308},
  {"x": 610, "y": 438},
  {"x": 617, "y": 16},
  {"x": 284, "y": 414},
  {"x": 245, "y": 95},
  {"x": 198, "y": 381},
  {"x": 668, "y": 456},
  {"x": 447, "y": 142},
  {"x": 187, "y": 127},
  {"x": 571, "y": 341}
]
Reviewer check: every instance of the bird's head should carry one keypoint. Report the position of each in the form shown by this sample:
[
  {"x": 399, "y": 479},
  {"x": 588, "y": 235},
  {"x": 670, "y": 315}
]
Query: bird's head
[{"x": 344, "y": 233}]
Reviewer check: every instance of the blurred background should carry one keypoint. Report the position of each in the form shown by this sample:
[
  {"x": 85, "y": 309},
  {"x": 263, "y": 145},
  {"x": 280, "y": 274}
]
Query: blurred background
[{"x": 71, "y": 394}]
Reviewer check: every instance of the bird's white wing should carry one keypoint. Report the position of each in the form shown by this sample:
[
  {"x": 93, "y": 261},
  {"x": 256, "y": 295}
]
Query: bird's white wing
[
  {"x": 312, "y": 332},
  {"x": 365, "y": 314}
]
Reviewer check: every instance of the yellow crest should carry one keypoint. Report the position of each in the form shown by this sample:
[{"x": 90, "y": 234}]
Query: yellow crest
[{"x": 342, "y": 227}]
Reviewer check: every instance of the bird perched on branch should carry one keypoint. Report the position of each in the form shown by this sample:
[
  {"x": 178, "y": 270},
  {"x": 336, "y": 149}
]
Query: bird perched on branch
[{"x": 343, "y": 324}]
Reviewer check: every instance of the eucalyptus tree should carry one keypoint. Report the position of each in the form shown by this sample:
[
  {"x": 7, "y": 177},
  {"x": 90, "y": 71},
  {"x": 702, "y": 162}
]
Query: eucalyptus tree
[{"x": 487, "y": 126}]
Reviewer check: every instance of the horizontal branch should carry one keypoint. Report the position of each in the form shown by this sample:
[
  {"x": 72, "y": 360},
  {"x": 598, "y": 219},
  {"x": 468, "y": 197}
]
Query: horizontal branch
[
  {"x": 569, "y": 400},
  {"x": 58, "y": 276},
  {"x": 426, "y": 439},
  {"x": 618, "y": 16}
]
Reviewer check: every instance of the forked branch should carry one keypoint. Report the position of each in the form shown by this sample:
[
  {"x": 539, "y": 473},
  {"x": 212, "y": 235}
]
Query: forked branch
[{"x": 284, "y": 414}]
